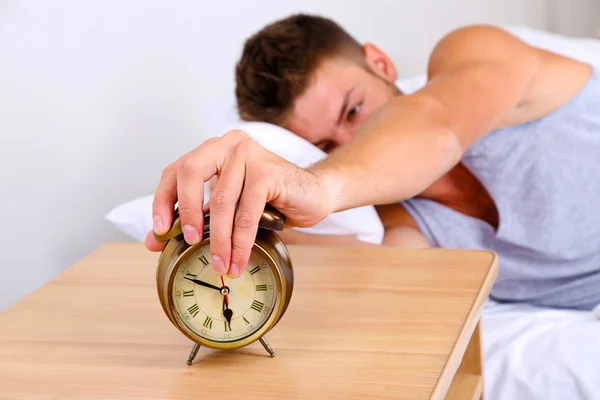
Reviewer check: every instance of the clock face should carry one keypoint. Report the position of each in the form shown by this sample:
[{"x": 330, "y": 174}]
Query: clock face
[{"x": 223, "y": 313}]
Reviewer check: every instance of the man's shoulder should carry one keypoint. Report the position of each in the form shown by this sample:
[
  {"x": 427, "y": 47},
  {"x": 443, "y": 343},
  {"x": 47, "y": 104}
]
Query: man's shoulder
[
  {"x": 538, "y": 81},
  {"x": 476, "y": 43}
]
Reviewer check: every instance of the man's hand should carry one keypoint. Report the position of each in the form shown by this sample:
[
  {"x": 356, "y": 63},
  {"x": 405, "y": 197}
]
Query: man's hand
[{"x": 248, "y": 176}]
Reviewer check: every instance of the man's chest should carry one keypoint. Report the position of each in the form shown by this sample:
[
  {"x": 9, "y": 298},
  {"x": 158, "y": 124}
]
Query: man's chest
[{"x": 459, "y": 190}]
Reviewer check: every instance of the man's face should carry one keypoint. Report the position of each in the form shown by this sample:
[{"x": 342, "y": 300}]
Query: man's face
[{"x": 340, "y": 98}]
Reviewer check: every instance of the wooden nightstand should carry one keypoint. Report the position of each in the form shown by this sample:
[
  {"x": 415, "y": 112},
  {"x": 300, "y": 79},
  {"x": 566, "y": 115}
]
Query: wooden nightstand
[{"x": 363, "y": 323}]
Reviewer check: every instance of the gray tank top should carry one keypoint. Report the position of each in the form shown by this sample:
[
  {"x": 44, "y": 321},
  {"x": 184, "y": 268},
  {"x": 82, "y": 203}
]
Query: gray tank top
[{"x": 544, "y": 177}]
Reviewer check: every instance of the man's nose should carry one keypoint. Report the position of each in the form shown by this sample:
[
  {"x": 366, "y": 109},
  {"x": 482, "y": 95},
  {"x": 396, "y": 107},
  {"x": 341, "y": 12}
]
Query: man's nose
[{"x": 342, "y": 136}]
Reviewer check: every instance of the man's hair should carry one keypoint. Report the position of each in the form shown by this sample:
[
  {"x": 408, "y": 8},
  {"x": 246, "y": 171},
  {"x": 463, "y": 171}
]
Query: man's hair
[{"x": 278, "y": 61}]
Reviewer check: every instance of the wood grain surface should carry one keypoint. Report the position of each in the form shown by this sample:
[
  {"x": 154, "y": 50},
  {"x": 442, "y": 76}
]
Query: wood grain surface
[{"x": 363, "y": 323}]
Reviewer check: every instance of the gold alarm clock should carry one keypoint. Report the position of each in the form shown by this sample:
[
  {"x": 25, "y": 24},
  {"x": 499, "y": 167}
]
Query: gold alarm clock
[{"x": 218, "y": 312}]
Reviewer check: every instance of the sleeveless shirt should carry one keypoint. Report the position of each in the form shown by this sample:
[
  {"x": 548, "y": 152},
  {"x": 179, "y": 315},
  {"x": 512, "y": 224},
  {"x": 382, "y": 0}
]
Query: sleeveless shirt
[{"x": 544, "y": 177}]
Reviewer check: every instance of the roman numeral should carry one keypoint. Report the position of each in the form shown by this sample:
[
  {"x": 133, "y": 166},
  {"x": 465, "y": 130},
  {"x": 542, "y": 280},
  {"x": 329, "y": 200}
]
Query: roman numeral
[
  {"x": 191, "y": 275},
  {"x": 188, "y": 293},
  {"x": 204, "y": 260},
  {"x": 246, "y": 321},
  {"x": 208, "y": 323},
  {"x": 254, "y": 270},
  {"x": 259, "y": 288},
  {"x": 227, "y": 327},
  {"x": 194, "y": 310},
  {"x": 257, "y": 305}
]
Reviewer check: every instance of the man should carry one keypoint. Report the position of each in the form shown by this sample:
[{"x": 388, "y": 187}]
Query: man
[{"x": 500, "y": 150}]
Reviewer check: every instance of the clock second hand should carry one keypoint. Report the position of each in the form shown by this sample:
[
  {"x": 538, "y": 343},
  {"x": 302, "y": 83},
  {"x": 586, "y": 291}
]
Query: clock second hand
[
  {"x": 227, "y": 312},
  {"x": 222, "y": 288}
]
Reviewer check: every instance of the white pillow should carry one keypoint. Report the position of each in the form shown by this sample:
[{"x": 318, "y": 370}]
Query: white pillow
[{"x": 580, "y": 48}]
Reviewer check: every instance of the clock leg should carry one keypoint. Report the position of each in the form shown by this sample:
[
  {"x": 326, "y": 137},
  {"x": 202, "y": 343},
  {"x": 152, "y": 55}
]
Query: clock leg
[
  {"x": 193, "y": 354},
  {"x": 267, "y": 346}
]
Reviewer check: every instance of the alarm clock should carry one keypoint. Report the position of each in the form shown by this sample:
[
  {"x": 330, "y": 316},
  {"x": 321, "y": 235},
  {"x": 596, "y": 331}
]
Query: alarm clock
[{"x": 216, "y": 311}]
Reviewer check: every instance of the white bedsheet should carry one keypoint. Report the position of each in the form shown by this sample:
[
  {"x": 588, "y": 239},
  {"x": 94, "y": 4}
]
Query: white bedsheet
[{"x": 536, "y": 353}]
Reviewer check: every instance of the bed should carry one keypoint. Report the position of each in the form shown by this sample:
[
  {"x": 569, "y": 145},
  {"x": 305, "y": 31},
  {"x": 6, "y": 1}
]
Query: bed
[{"x": 529, "y": 352}]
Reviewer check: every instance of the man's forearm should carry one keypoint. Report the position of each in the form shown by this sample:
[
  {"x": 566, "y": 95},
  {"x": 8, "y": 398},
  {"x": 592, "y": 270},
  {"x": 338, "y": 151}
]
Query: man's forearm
[{"x": 402, "y": 151}]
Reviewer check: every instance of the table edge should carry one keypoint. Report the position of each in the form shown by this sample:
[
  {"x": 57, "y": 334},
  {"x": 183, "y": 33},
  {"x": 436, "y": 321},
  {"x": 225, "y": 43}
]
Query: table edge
[{"x": 455, "y": 357}]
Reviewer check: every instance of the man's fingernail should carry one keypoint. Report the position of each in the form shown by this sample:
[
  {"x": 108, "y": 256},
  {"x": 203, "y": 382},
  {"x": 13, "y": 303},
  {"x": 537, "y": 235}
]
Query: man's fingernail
[
  {"x": 234, "y": 271},
  {"x": 218, "y": 265},
  {"x": 158, "y": 224},
  {"x": 191, "y": 234}
]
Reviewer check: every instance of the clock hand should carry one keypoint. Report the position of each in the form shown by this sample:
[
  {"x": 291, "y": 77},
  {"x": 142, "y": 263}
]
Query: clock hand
[
  {"x": 224, "y": 291},
  {"x": 227, "y": 313},
  {"x": 201, "y": 283}
]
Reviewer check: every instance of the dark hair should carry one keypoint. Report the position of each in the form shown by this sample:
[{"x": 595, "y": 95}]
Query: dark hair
[{"x": 277, "y": 62}]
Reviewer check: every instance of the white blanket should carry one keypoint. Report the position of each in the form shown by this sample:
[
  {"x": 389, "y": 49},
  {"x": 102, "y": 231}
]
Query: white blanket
[{"x": 535, "y": 353}]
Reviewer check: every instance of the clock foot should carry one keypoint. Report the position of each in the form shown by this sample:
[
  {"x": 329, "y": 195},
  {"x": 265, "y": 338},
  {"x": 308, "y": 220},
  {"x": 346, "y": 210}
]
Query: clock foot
[
  {"x": 267, "y": 346},
  {"x": 193, "y": 354}
]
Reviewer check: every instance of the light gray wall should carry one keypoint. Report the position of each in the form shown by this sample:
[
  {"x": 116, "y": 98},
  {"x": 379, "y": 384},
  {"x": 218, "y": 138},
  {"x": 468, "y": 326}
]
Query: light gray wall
[
  {"x": 97, "y": 97},
  {"x": 575, "y": 17}
]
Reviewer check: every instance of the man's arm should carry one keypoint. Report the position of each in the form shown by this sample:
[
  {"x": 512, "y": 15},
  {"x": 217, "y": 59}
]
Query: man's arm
[{"x": 480, "y": 78}]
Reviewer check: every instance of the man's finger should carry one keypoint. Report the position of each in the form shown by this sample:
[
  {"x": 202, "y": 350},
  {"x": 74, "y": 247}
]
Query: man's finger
[
  {"x": 211, "y": 185},
  {"x": 164, "y": 200},
  {"x": 250, "y": 208},
  {"x": 222, "y": 202},
  {"x": 152, "y": 244},
  {"x": 190, "y": 196}
]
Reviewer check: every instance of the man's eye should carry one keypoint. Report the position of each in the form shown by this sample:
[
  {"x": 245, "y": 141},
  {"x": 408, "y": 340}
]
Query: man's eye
[
  {"x": 353, "y": 111},
  {"x": 324, "y": 145}
]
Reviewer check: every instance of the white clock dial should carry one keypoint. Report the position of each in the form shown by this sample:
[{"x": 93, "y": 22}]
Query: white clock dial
[{"x": 200, "y": 300}]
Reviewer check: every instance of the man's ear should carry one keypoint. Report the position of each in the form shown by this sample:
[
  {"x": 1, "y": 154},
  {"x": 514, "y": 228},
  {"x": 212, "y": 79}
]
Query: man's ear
[{"x": 380, "y": 63}]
